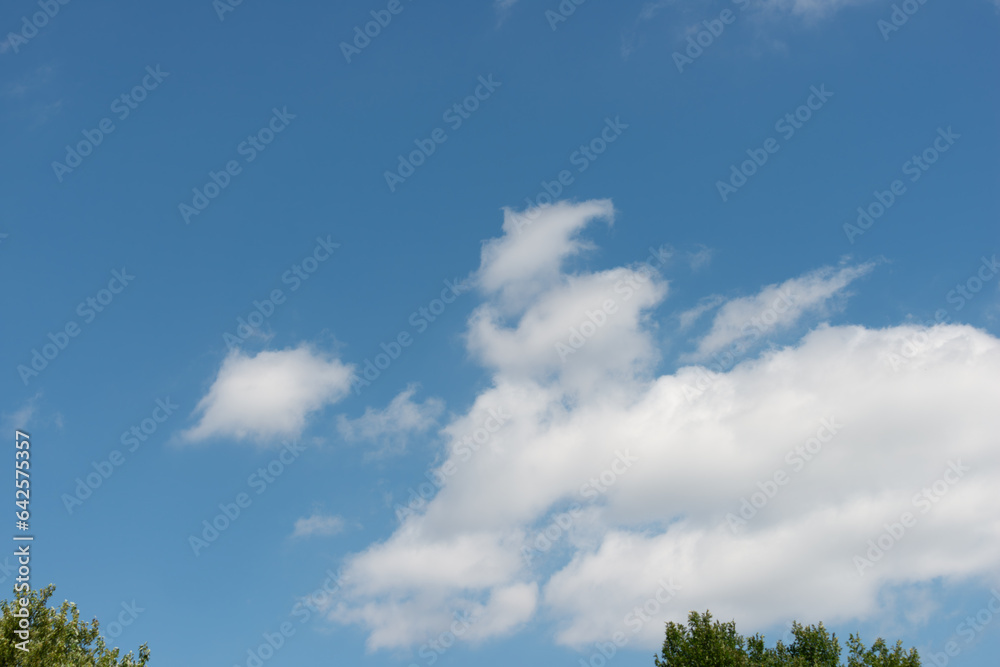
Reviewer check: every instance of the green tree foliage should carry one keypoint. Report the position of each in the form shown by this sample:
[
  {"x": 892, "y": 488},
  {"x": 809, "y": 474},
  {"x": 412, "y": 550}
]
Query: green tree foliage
[
  {"x": 702, "y": 643},
  {"x": 58, "y": 638}
]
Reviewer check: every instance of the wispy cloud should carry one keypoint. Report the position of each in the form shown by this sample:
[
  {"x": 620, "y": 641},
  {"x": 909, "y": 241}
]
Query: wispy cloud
[
  {"x": 322, "y": 525},
  {"x": 688, "y": 17},
  {"x": 699, "y": 259},
  {"x": 390, "y": 427},
  {"x": 23, "y": 93},
  {"x": 775, "y": 307},
  {"x": 23, "y": 417},
  {"x": 502, "y": 9},
  {"x": 689, "y": 317}
]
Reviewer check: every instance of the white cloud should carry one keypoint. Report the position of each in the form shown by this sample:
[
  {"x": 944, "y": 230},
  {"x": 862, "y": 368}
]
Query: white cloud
[
  {"x": 318, "y": 524},
  {"x": 413, "y": 585},
  {"x": 592, "y": 318},
  {"x": 697, "y": 445},
  {"x": 602, "y": 311},
  {"x": 528, "y": 257},
  {"x": 269, "y": 395},
  {"x": 390, "y": 426},
  {"x": 775, "y": 307}
]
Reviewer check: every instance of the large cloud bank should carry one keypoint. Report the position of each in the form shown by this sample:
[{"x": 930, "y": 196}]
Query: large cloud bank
[{"x": 797, "y": 482}]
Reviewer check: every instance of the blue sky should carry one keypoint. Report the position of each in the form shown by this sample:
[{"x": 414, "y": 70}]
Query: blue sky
[{"x": 511, "y": 248}]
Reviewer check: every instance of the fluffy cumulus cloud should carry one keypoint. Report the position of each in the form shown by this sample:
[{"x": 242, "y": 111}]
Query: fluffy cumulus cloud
[
  {"x": 588, "y": 492},
  {"x": 269, "y": 395},
  {"x": 528, "y": 258}
]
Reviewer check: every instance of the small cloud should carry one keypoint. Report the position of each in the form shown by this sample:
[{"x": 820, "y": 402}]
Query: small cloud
[
  {"x": 689, "y": 317},
  {"x": 775, "y": 307},
  {"x": 502, "y": 8},
  {"x": 33, "y": 80},
  {"x": 631, "y": 38},
  {"x": 628, "y": 45},
  {"x": 391, "y": 426},
  {"x": 810, "y": 10},
  {"x": 23, "y": 417},
  {"x": 318, "y": 524},
  {"x": 269, "y": 395},
  {"x": 41, "y": 113},
  {"x": 24, "y": 93},
  {"x": 699, "y": 258},
  {"x": 651, "y": 9}
]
